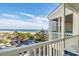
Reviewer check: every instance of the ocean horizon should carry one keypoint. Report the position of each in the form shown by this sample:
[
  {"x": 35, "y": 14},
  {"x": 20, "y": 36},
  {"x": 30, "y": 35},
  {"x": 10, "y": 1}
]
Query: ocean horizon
[{"x": 20, "y": 30}]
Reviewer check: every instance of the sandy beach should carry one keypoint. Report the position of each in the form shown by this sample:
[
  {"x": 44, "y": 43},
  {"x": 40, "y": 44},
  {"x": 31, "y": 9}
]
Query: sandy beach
[{"x": 18, "y": 31}]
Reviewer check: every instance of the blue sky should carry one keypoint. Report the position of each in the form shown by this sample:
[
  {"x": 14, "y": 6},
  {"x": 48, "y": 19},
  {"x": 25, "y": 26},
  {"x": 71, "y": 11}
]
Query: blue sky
[{"x": 25, "y": 15}]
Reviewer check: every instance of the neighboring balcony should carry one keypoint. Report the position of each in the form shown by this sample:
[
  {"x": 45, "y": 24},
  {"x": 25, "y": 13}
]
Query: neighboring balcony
[
  {"x": 57, "y": 35},
  {"x": 47, "y": 48}
]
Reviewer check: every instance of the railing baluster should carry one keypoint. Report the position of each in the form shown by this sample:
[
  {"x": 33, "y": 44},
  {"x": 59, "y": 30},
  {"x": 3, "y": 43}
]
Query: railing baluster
[
  {"x": 50, "y": 50},
  {"x": 30, "y": 53},
  {"x": 43, "y": 50},
  {"x": 62, "y": 47},
  {"x": 34, "y": 52},
  {"x": 53, "y": 49},
  {"x": 59, "y": 48},
  {"x": 39, "y": 51},
  {"x": 47, "y": 50},
  {"x": 56, "y": 48}
]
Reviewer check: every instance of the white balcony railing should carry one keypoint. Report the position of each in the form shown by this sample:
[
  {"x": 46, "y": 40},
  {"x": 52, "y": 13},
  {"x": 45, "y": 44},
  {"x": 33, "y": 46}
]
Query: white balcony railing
[
  {"x": 56, "y": 35},
  {"x": 68, "y": 34},
  {"x": 48, "y": 48}
]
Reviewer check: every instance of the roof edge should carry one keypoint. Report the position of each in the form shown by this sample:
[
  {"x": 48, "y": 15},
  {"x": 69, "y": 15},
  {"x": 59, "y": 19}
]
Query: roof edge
[{"x": 54, "y": 10}]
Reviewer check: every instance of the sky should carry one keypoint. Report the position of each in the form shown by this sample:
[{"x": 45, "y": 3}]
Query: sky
[{"x": 25, "y": 15}]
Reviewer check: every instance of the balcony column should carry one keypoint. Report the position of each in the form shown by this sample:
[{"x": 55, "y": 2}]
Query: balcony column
[
  {"x": 59, "y": 29},
  {"x": 63, "y": 24},
  {"x": 50, "y": 30},
  {"x": 59, "y": 25},
  {"x": 63, "y": 21}
]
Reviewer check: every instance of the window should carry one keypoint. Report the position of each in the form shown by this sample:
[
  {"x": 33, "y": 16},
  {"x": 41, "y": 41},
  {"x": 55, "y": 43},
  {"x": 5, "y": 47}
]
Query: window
[
  {"x": 69, "y": 23},
  {"x": 54, "y": 25}
]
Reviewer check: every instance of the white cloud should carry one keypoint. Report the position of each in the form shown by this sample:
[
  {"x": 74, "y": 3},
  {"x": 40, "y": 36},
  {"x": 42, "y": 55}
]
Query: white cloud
[
  {"x": 35, "y": 22},
  {"x": 37, "y": 19},
  {"x": 10, "y": 15},
  {"x": 27, "y": 14},
  {"x": 19, "y": 24}
]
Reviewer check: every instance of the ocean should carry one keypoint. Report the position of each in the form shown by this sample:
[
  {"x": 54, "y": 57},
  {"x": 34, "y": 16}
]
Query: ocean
[{"x": 19, "y": 30}]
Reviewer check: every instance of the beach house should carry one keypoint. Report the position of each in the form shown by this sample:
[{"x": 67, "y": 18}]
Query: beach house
[
  {"x": 63, "y": 21},
  {"x": 63, "y": 35}
]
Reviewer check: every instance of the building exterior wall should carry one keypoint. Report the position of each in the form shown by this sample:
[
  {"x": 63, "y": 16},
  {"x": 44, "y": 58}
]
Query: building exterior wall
[
  {"x": 75, "y": 23},
  {"x": 59, "y": 13}
]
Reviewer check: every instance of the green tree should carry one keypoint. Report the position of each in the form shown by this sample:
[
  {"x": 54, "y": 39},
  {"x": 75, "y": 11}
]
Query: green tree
[
  {"x": 22, "y": 36},
  {"x": 5, "y": 40},
  {"x": 30, "y": 36},
  {"x": 41, "y": 36}
]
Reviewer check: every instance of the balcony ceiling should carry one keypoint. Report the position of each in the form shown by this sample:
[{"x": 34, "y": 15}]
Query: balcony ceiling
[{"x": 74, "y": 5}]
